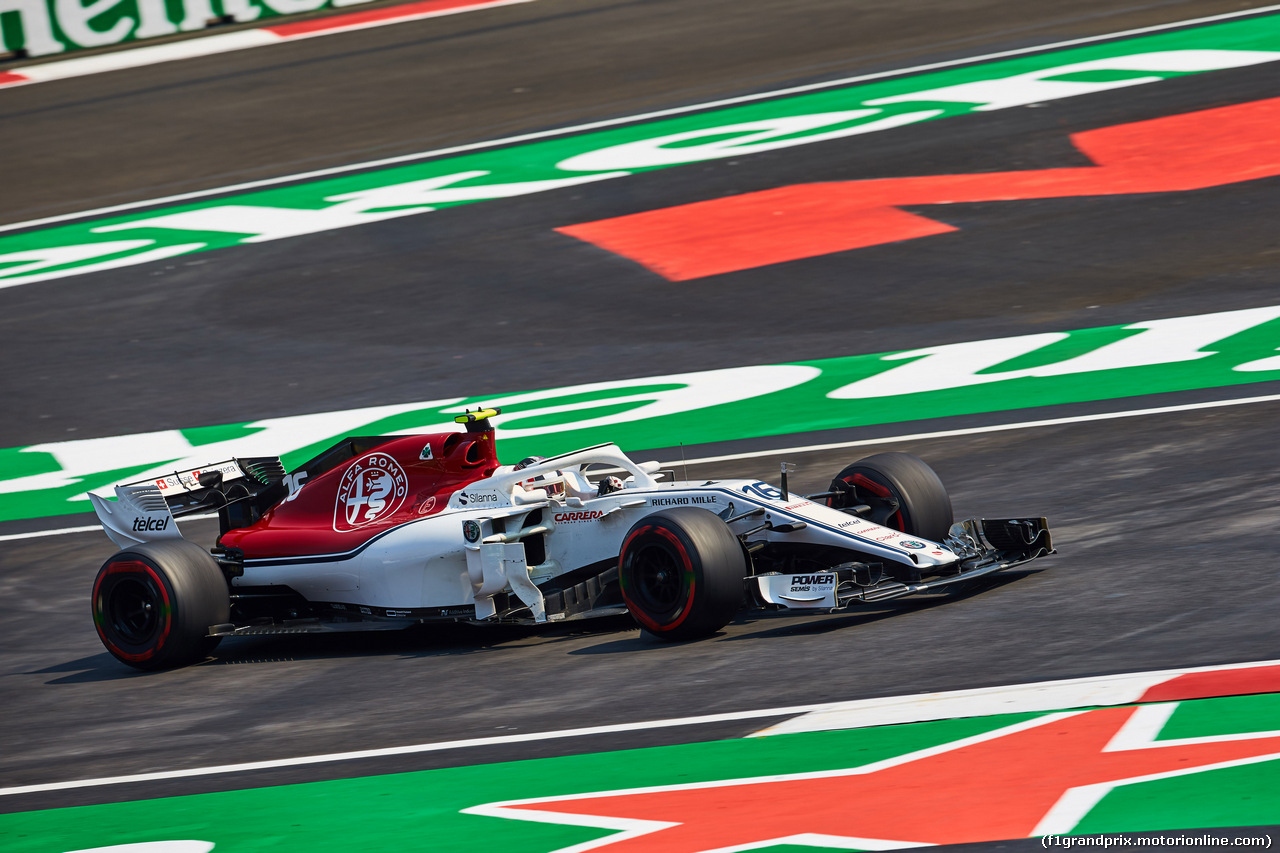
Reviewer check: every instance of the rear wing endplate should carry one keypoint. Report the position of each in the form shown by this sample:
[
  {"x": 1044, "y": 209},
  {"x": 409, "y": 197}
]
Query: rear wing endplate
[
  {"x": 138, "y": 514},
  {"x": 147, "y": 509}
]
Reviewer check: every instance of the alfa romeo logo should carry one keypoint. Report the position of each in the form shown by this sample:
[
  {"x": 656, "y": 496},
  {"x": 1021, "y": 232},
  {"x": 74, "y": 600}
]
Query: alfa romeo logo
[
  {"x": 911, "y": 543},
  {"x": 372, "y": 489}
]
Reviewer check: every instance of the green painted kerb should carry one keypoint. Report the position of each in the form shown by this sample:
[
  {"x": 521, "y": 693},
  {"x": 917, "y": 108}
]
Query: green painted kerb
[
  {"x": 422, "y": 811},
  {"x": 1111, "y": 362}
]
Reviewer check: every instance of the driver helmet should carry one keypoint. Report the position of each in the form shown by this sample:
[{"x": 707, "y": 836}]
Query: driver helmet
[{"x": 553, "y": 484}]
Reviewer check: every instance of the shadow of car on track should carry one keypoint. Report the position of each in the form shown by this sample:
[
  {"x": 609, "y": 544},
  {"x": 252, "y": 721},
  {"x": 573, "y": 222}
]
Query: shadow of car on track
[
  {"x": 869, "y": 613},
  {"x": 764, "y": 624},
  {"x": 90, "y": 669},
  {"x": 418, "y": 641},
  {"x": 617, "y": 635}
]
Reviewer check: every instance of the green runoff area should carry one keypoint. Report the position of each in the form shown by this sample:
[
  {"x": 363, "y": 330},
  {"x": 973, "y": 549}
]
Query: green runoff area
[
  {"x": 1017, "y": 374},
  {"x": 425, "y": 810}
]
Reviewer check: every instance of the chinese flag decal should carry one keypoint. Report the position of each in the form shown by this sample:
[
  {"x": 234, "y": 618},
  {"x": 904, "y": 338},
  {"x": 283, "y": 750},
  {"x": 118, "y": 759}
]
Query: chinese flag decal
[
  {"x": 1038, "y": 777},
  {"x": 1175, "y": 154}
]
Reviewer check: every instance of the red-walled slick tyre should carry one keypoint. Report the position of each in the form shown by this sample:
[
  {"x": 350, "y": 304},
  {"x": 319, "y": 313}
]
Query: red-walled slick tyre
[
  {"x": 681, "y": 573},
  {"x": 153, "y": 604},
  {"x": 902, "y": 491}
]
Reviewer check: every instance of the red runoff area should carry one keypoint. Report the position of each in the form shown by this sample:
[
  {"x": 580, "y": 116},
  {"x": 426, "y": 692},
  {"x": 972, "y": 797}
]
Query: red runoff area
[
  {"x": 1221, "y": 682},
  {"x": 1185, "y": 152},
  {"x": 999, "y": 787}
]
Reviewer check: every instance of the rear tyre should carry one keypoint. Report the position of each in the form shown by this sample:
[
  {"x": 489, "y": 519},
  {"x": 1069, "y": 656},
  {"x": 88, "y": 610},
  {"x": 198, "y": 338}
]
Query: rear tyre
[
  {"x": 903, "y": 492},
  {"x": 681, "y": 573},
  {"x": 153, "y": 604}
]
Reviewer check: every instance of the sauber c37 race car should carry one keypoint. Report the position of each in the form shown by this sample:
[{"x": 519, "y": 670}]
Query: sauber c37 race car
[{"x": 390, "y": 531}]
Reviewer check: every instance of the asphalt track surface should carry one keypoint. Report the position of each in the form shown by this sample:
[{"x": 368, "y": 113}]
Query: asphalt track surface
[{"x": 1167, "y": 523}]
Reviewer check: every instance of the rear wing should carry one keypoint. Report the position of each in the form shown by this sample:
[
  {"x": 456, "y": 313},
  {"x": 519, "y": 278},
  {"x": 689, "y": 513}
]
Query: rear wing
[
  {"x": 180, "y": 487},
  {"x": 240, "y": 490}
]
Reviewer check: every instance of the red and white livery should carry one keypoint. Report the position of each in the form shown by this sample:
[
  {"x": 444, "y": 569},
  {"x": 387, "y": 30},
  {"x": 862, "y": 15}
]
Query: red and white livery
[{"x": 388, "y": 531}]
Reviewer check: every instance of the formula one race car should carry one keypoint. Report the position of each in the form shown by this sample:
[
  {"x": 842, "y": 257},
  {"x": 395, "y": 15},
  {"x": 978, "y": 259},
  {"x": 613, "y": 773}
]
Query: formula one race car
[{"x": 390, "y": 531}]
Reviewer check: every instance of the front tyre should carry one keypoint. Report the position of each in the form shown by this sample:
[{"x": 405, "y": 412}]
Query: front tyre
[
  {"x": 902, "y": 491},
  {"x": 153, "y": 604},
  {"x": 681, "y": 573}
]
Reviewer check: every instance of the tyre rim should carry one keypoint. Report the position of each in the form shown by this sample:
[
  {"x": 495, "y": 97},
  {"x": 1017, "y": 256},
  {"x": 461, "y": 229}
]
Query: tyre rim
[
  {"x": 659, "y": 579},
  {"x": 133, "y": 610}
]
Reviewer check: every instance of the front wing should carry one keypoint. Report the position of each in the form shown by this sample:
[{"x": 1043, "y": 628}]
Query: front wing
[{"x": 985, "y": 546}]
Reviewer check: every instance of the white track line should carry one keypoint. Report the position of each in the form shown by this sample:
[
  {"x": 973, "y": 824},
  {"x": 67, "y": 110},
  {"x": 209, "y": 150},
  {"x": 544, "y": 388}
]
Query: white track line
[
  {"x": 949, "y": 433},
  {"x": 842, "y": 445},
  {"x": 595, "y": 125},
  {"x": 91, "y": 528},
  {"x": 1074, "y": 691},
  {"x": 82, "y": 66},
  {"x": 440, "y": 746},
  {"x": 1098, "y": 691},
  {"x": 62, "y": 531}
]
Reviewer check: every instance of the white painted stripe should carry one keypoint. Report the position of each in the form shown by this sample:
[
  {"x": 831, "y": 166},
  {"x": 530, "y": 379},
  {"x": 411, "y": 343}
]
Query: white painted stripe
[
  {"x": 441, "y": 746},
  {"x": 843, "y": 445},
  {"x": 151, "y": 55},
  {"x": 1063, "y": 817},
  {"x": 90, "y": 528},
  {"x": 984, "y": 701},
  {"x": 863, "y": 713},
  {"x": 950, "y": 433},
  {"x": 62, "y": 531},
  {"x": 1083, "y": 697},
  {"x": 595, "y": 125}
]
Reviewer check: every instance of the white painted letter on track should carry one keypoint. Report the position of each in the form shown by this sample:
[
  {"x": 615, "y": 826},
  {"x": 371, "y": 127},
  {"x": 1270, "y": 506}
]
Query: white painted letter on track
[
  {"x": 1177, "y": 339},
  {"x": 736, "y": 140},
  {"x": 1036, "y": 87}
]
